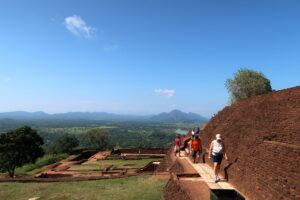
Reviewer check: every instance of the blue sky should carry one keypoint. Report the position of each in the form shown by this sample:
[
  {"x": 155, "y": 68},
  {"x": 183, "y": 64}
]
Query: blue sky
[{"x": 141, "y": 57}]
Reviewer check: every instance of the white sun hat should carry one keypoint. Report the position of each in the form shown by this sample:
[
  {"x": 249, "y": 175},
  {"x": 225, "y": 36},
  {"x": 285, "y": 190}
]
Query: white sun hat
[{"x": 218, "y": 137}]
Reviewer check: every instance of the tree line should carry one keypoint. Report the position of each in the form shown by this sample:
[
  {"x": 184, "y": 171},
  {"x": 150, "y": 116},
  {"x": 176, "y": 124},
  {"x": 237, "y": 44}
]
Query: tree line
[{"x": 24, "y": 145}]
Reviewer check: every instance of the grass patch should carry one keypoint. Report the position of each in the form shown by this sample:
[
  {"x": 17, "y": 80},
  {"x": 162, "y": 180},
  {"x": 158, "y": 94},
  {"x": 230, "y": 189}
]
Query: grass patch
[
  {"x": 131, "y": 188},
  {"x": 121, "y": 163},
  {"x": 90, "y": 165},
  {"x": 31, "y": 169},
  {"x": 116, "y": 163}
]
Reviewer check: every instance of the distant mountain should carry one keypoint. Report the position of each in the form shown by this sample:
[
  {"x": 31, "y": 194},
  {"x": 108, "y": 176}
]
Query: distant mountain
[
  {"x": 69, "y": 115},
  {"x": 179, "y": 116},
  {"x": 94, "y": 116},
  {"x": 23, "y": 115},
  {"x": 173, "y": 116}
]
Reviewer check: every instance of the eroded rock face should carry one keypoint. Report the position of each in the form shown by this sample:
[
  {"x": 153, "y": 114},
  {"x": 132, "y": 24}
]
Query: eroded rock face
[{"x": 262, "y": 136}]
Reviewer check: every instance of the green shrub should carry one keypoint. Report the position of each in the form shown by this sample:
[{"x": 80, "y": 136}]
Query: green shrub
[{"x": 247, "y": 83}]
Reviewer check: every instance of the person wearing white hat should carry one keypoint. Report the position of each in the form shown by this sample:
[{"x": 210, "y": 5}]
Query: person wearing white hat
[{"x": 217, "y": 150}]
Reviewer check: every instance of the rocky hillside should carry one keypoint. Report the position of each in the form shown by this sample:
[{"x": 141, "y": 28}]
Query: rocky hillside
[{"x": 262, "y": 135}]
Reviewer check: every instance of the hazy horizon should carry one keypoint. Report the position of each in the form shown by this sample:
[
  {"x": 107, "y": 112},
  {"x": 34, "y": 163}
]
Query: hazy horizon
[
  {"x": 141, "y": 57},
  {"x": 137, "y": 114}
]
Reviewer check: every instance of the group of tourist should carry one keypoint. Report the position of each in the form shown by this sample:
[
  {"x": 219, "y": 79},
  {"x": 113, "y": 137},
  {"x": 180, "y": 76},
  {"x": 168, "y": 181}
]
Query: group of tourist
[{"x": 217, "y": 150}]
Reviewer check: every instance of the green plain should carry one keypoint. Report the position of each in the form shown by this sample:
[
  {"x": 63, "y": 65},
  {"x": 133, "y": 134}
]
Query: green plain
[{"x": 131, "y": 188}]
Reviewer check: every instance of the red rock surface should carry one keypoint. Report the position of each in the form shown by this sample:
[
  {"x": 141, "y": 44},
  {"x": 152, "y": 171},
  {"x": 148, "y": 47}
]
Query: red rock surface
[
  {"x": 262, "y": 135},
  {"x": 174, "y": 191}
]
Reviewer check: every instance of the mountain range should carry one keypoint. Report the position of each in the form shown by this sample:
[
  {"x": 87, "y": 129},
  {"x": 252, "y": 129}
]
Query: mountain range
[
  {"x": 178, "y": 116},
  {"x": 173, "y": 116}
]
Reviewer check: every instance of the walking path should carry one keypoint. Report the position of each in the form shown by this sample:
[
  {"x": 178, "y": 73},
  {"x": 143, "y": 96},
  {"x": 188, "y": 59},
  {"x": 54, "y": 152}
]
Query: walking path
[
  {"x": 206, "y": 179},
  {"x": 207, "y": 175},
  {"x": 199, "y": 187}
]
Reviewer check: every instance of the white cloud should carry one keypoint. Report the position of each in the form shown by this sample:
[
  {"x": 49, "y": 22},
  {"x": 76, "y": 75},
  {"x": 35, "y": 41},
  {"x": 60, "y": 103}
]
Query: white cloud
[
  {"x": 78, "y": 26},
  {"x": 166, "y": 93},
  {"x": 110, "y": 47}
]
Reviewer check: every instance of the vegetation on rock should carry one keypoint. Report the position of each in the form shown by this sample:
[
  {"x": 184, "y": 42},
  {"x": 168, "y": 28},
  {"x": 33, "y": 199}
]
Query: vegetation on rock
[{"x": 247, "y": 83}]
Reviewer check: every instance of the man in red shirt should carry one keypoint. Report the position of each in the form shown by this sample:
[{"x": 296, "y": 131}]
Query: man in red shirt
[
  {"x": 177, "y": 145},
  {"x": 196, "y": 147}
]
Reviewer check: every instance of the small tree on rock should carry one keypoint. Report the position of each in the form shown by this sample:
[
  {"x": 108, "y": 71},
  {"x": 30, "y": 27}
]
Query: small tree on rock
[
  {"x": 19, "y": 147},
  {"x": 247, "y": 83}
]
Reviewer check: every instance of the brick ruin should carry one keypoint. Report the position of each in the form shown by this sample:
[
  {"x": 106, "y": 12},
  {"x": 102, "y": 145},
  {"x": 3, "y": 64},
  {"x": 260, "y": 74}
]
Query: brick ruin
[{"x": 62, "y": 171}]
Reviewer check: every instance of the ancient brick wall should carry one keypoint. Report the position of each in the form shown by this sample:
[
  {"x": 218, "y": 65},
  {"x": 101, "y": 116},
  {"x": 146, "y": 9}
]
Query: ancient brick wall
[{"x": 262, "y": 136}]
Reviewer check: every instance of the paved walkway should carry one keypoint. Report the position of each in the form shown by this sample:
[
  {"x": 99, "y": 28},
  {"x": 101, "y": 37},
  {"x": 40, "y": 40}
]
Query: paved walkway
[
  {"x": 207, "y": 175},
  {"x": 199, "y": 187}
]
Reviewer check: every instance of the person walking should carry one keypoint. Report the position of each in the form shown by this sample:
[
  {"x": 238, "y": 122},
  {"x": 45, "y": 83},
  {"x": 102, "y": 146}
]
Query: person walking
[
  {"x": 177, "y": 144},
  {"x": 216, "y": 151},
  {"x": 196, "y": 147}
]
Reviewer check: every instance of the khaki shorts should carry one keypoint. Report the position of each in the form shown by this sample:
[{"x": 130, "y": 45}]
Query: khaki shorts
[{"x": 176, "y": 149}]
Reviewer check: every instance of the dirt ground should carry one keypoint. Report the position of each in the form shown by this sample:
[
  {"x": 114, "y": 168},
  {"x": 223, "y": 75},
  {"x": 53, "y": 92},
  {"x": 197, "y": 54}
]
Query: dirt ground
[{"x": 99, "y": 156}]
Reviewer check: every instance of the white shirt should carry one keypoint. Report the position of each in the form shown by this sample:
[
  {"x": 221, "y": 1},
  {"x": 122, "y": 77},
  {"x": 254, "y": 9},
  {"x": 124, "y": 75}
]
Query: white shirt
[{"x": 217, "y": 147}]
